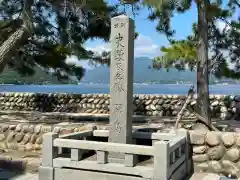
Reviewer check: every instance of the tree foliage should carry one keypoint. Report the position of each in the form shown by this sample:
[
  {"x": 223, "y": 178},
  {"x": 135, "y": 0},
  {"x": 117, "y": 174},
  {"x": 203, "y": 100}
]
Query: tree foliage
[
  {"x": 223, "y": 46},
  {"x": 208, "y": 12},
  {"x": 60, "y": 29},
  {"x": 179, "y": 54}
]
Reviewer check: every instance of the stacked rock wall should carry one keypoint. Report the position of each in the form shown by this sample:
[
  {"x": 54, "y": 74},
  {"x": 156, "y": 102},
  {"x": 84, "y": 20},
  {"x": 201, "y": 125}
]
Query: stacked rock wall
[
  {"x": 216, "y": 152},
  {"x": 151, "y": 105},
  {"x": 26, "y": 137}
]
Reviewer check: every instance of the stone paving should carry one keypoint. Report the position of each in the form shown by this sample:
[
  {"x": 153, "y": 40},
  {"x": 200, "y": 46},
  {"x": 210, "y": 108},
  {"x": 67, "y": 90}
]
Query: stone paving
[{"x": 8, "y": 175}]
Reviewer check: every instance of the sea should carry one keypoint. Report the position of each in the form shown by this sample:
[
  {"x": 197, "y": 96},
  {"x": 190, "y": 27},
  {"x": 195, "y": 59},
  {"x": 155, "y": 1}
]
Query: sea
[{"x": 88, "y": 88}]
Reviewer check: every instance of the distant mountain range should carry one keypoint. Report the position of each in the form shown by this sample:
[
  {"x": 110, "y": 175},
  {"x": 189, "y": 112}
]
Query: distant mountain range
[
  {"x": 144, "y": 74},
  {"x": 9, "y": 76}
]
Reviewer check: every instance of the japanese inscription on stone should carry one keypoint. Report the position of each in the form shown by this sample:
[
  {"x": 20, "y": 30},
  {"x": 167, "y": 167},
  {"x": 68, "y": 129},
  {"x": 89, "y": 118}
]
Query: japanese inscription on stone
[
  {"x": 119, "y": 24},
  {"x": 118, "y": 57},
  {"x": 121, "y": 80},
  {"x": 118, "y": 113},
  {"x": 119, "y": 74}
]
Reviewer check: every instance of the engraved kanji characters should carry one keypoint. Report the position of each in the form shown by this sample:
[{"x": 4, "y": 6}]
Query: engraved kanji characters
[
  {"x": 118, "y": 55},
  {"x": 119, "y": 40},
  {"x": 118, "y": 112}
]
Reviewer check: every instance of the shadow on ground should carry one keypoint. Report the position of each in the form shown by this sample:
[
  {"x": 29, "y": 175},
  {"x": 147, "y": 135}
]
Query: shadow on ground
[
  {"x": 10, "y": 169},
  {"x": 7, "y": 174}
]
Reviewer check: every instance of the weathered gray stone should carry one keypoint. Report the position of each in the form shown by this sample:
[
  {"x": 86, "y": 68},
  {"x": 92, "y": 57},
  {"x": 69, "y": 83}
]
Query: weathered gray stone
[
  {"x": 46, "y": 129},
  {"x": 18, "y": 128},
  {"x": 160, "y": 102},
  {"x": 148, "y": 102},
  {"x": 205, "y": 176},
  {"x": 230, "y": 167},
  {"x": 199, "y": 149},
  {"x": 19, "y": 136},
  {"x": 152, "y": 107},
  {"x": 216, "y": 153},
  {"x": 197, "y": 138},
  {"x": 26, "y": 138},
  {"x": 200, "y": 158},
  {"x": 155, "y": 102},
  {"x": 12, "y": 145},
  {"x": 29, "y": 147},
  {"x": 12, "y": 127},
  {"x": 223, "y": 109},
  {"x": 202, "y": 166},
  {"x": 37, "y": 147},
  {"x": 232, "y": 154},
  {"x": 215, "y": 103},
  {"x": 33, "y": 138},
  {"x": 31, "y": 129},
  {"x": 5, "y": 128},
  {"x": 37, "y": 129},
  {"x": 11, "y": 136},
  {"x": 238, "y": 139},
  {"x": 2, "y": 137},
  {"x": 215, "y": 166},
  {"x": 25, "y": 128},
  {"x": 57, "y": 129},
  {"x": 170, "y": 106},
  {"x": 121, "y": 79},
  {"x": 228, "y": 139},
  {"x": 3, "y": 145},
  {"x": 213, "y": 138}
]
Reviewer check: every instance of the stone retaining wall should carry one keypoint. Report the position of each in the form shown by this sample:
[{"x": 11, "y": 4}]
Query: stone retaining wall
[
  {"x": 25, "y": 137},
  {"x": 151, "y": 105},
  {"x": 216, "y": 152}
]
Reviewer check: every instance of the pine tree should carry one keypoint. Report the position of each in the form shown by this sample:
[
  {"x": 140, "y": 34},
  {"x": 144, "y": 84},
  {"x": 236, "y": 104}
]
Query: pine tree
[
  {"x": 44, "y": 33},
  {"x": 207, "y": 13}
]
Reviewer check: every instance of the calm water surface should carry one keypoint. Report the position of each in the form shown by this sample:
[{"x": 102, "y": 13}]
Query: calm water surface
[{"x": 104, "y": 88}]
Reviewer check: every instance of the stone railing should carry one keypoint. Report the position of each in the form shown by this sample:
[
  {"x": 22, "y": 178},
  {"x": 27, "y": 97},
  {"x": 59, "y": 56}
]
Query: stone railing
[
  {"x": 168, "y": 162},
  {"x": 216, "y": 152},
  {"x": 151, "y": 105}
]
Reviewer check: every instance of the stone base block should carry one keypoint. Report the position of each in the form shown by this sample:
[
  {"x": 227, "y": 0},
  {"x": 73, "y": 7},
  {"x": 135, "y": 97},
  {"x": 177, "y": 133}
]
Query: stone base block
[
  {"x": 46, "y": 173},
  {"x": 63, "y": 174}
]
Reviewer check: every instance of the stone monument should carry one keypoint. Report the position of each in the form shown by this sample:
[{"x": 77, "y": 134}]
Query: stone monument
[
  {"x": 168, "y": 153},
  {"x": 121, "y": 80}
]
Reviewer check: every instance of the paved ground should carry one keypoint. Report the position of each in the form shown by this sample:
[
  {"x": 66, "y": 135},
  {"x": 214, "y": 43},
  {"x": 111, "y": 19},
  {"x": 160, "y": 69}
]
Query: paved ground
[
  {"x": 27, "y": 177},
  {"x": 7, "y": 175}
]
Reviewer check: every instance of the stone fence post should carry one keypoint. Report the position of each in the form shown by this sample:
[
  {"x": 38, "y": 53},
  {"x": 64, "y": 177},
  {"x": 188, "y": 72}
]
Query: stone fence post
[
  {"x": 46, "y": 171},
  {"x": 187, "y": 147},
  {"x": 161, "y": 160}
]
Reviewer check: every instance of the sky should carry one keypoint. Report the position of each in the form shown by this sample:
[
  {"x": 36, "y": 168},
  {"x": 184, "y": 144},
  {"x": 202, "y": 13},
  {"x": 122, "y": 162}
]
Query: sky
[{"x": 149, "y": 40}]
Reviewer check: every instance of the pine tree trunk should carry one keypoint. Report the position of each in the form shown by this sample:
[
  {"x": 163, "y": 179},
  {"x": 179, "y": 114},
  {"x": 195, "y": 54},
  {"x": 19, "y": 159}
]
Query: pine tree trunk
[
  {"x": 21, "y": 35},
  {"x": 203, "y": 108},
  {"x": 8, "y": 48}
]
